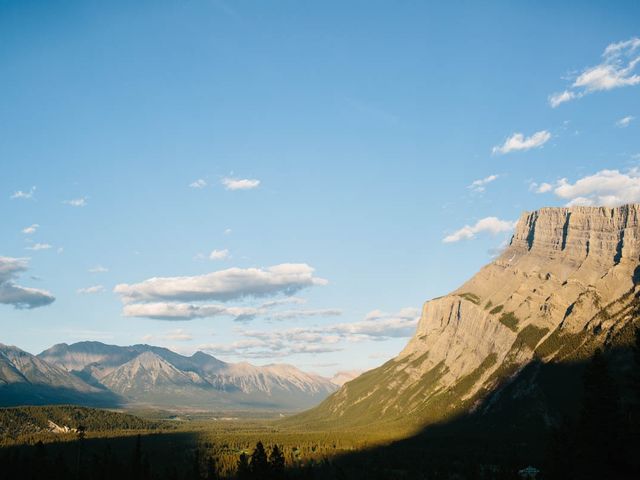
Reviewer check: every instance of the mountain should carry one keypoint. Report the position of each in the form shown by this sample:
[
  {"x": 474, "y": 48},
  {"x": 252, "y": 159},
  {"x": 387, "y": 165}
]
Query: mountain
[
  {"x": 25, "y": 378},
  {"x": 510, "y": 339},
  {"x": 145, "y": 374}
]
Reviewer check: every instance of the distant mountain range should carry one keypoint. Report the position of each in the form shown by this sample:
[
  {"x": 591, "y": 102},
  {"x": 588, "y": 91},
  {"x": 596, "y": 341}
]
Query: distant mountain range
[{"x": 94, "y": 373}]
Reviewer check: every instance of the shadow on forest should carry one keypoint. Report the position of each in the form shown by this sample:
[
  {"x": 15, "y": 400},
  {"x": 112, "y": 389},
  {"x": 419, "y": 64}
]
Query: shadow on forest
[
  {"x": 570, "y": 420},
  {"x": 553, "y": 416}
]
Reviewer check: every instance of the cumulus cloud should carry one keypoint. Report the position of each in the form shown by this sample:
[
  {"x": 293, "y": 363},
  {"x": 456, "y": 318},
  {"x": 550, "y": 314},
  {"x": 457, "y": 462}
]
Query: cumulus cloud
[
  {"x": 376, "y": 326},
  {"x": 480, "y": 185},
  {"x": 543, "y": 187},
  {"x": 625, "y": 121},
  {"x": 39, "y": 246},
  {"x": 489, "y": 224},
  {"x": 227, "y": 231},
  {"x": 76, "y": 202},
  {"x": 199, "y": 183},
  {"x": 240, "y": 183},
  {"x": 617, "y": 69},
  {"x": 22, "y": 195},
  {"x": 219, "y": 254},
  {"x": 31, "y": 229},
  {"x": 17, "y": 296},
  {"x": 518, "y": 142},
  {"x": 223, "y": 285},
  {"x": 91, "y": 290},
  {"x": 604, "y": 188}
]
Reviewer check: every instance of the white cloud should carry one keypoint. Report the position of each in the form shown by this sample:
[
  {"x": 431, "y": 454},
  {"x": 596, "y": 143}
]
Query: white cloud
[
  {"x": 381, "y": 325},
  {"x": 189, "y": 311},
  {"x": 17, "y": 296},
  {"x": 199, "y": 183},
  {"x": 540, "y": 187},
  {"x": 240, "y": 184},
  {"x": 186, "y": 311},
  {"x": 518, "y": 142},
  {"x": 24, "y": 195},
  {"x": 98, "y": 269},
  {"x": 489, "y": 224},
  {"x": 606, "y": 188},
  {"x": 76, "y": 202},
  {"x": 376, "y": 326},
  {"x": 625, "y": 121},
  {"x": 178, "y": 335},
  {"x": 39, "y": 246},
  {"x": 295, "y": 314},
  {"x": 227, "y": 231},
  {"x": 479, "y": 185},
  {"x": 284, "y": 301},
  {"x": 91, "y": 290},
  {"x": 617, "y": 69},
  {"x": 30, "y": 229},
  {"x": 556, "y": 99},
  {"x": 229, "y": 284},
  {"x": 219, "y": 254}
]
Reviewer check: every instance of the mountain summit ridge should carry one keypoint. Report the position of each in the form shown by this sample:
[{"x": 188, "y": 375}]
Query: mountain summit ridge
[
  {"x": 153, "y": 376},
  {"x": 565, "y": 285}
]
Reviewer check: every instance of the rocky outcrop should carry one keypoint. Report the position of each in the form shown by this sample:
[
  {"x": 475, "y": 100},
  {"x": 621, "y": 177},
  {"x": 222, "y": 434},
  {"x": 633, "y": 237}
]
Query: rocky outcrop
[{"x": 566, "y": 281}]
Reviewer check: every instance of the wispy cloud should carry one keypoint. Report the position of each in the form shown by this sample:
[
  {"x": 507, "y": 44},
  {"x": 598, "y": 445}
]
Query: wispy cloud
[
  {"x": 15, "y": 295},
  {"x": 617, "y": 69},
  {"x": 603, "y": 188},
  {"x": 219, "y": 254},
  {"x": 178, "y": 335},
  {"x": 625, "y": 121},
  {"x": 519, "y": 143},
  {"x": 187, "y": 311},
  {"x": 31, "y": 229},
  {"x": 39, "y": 246},
  {"x": 91, "y": 290},
  {"x": 199, "y": 183},
  {"x": 98, "y": 269},
  {"x": 480, "y": 185},
  {"x": 240, "y": 183},
  {"x": 24, "y": 195},
  {"x": 76, "y": 202},
  {"x": 489, "y": 224},
  {"x": 376, "y": 326}
]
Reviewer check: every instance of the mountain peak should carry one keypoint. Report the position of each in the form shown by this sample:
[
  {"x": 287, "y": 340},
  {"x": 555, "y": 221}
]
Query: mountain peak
[{"x": 563, "y": 286}]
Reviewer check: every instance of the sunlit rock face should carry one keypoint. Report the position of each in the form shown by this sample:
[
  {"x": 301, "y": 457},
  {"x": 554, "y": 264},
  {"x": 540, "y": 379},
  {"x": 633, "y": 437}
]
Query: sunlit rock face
[{"x": 565, "y": 284}]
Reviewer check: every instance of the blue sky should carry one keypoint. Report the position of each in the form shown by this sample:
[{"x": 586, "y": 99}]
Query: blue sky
[{"x": 327, "y": 151}]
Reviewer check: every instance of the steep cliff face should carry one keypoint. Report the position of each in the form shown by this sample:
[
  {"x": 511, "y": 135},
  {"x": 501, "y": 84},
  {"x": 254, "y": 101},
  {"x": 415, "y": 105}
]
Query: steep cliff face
[{"x": 565, "y": 284}]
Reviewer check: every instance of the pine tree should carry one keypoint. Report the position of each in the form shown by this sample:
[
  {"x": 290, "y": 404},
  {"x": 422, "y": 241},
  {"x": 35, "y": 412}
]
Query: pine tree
[
  {"x": 244, "y": 470},
  {"x": 259, "y": 463},
  {"x": 276, "y": 463}
]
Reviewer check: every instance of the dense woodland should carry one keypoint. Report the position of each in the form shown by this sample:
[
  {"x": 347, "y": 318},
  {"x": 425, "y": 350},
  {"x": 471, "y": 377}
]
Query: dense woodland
[{"x": 601, "y": 441}]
